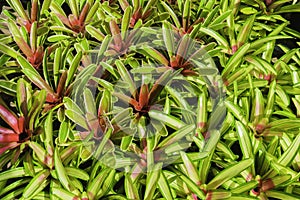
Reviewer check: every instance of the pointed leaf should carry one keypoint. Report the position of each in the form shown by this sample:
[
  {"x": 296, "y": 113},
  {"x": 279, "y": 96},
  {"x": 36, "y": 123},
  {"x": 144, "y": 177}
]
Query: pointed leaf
[
  {"x": 229, "y": 173},
  {"x": 125, "y": 75},
  {"x": 151, "y": 181},
  {"x": 35, "y": 184},
  {"x": 10, "y": 118},
  {"x": 177, "y": 135},
  {"x": 190, "y": 168},
  {"x": 168, "y": 36},
  {"x": 170, "y": 121},
  {"x": 131, "y": 189},
  {"x": 8, "y": 50},
  {"x": 63, "y": 194},
  {"x": 33, "y": 75},
  {"x": 73, "y": 68},
  {"x": 125, "y": 22},
  {"x": 164, "y": 186},
  {"x": 61, "y": 171}
]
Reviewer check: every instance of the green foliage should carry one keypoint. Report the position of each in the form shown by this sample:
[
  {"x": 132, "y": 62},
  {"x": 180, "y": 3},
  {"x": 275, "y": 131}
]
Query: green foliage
[{"x": 68, "y": 67}]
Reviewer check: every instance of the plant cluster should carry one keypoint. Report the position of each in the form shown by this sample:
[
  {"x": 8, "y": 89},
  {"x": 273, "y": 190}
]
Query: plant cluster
[{"x": 121, "y": 99}]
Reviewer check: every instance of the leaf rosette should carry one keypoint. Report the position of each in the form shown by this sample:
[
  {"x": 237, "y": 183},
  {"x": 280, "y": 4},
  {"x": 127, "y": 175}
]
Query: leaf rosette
[{"x": 144, "y": 96}]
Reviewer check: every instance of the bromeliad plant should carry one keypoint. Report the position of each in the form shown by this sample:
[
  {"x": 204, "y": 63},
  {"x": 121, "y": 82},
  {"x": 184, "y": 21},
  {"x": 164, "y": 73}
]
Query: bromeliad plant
[
  {"x": 82, "y": 13},
  {"x": 34, "y": 52},
  {"x": 29, "y": 32},
  {"x": 144, "y": 98},
  {"x": 59, "y": 83},
  {"x": 64, "y": 130},
  {"x": 21, "y": 127},
  {"x": 27, "y": 18}
]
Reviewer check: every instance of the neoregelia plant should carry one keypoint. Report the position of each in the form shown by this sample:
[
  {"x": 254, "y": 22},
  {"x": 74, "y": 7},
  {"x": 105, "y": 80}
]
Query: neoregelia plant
[{"x": 119, "y": 99}]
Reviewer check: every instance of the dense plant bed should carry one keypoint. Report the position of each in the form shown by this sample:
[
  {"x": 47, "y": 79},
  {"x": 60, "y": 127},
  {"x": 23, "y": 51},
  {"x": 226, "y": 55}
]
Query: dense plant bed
[{"x": 149, "y": 99}]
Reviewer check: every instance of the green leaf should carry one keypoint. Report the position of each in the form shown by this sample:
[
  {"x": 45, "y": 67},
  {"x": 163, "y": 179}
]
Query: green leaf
[
  {"x": 288, "y": 156},
  {"x": 245, "y": 187},
  {"x": 235, "y": 60},
  {"x": 164, "y": 186},
  {"x": 125, "y": 22},
  {"x": 258, "y": 43},
  {"x": 73, "y": 68},
  {"x": 168, "y": 36},
  {"x": 131, "y": 188},
  {"x": 236, "y": 111},
  {"x": 160, "y": 84},
  {"x": 92, "y": 12},
  {"x": 36, "y": 108},
  {"x": 56, "y": 65},
  {"x": 63, "y": 194},
  {"x": 244, "y": 138},
  {"x": 110, "y": 68},
  {"x": 62, "y": 29},
  {"x": 17, "y": 5},
  {"x": 154, "y": 54},
  {"x": 8, "y": 50},
  {"x": 177, "y": 135},
  {"x": 63, "y": 132},
  {"x": 13, "y": 186},
  {"x": 61, "y": 171},
  {"x": 168, "y": 120},
  {"x": 33, "y": 36},
  {"x": 77, "y": 173},
  {"x": 12, "y": 173},
  {"x": 28, "y": 165},
  {"x": 49, "y": 134},
  {"x": 244, "y": 197},
  {"x": 125, "y": 75},
  {"x": 58, "y": 38},
  {"x": 229, "y": 173},
  {"x": 219, "y": 38},
  {"x": 103, "y": 143},
  {"x": 191, "y": 185},
  {"x": 8, "y": 87},
  {"x": 107, "y": 184},
  {"x": 220, "y": 18},
  {"x": 36, "y": 183},
  {"x": 33, "y": 75},
  {"x": 41, "y": 153},
  {"x": 284, "y": 124},
  {"x": 186, "y": 14},
  {"x": 172, "y": 13},
  {"x": 151, "y": 181},
  {"x": 270, "y": 99},
  {"x": 45, "y": 6},
  {"x": 71, "y": 105},
  {"x": 95, "y": 32},
  {"x": 281, "y": 195},
  {"x": 245, "y": 32},
  {"x": 22, "y": 89},
  {"x": 289, "y": 9},
  {"x": 95, "y": 184},
  {"x": 89, "y": 102},
  {"x": 190, "y": 168},
  {"x": 275, "y": 182},
  {"x": 211, "y": 15},
  {"x": 218, "y": 194},
  {"x": 74, "y": 8},
  {"x": 210, "y": 146},
  {"x": 77, "y": 118},
  {"x": 14, "y": 194},
  {"x": 282, "y": 95},
  {"x": 261, "y": 64}
]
